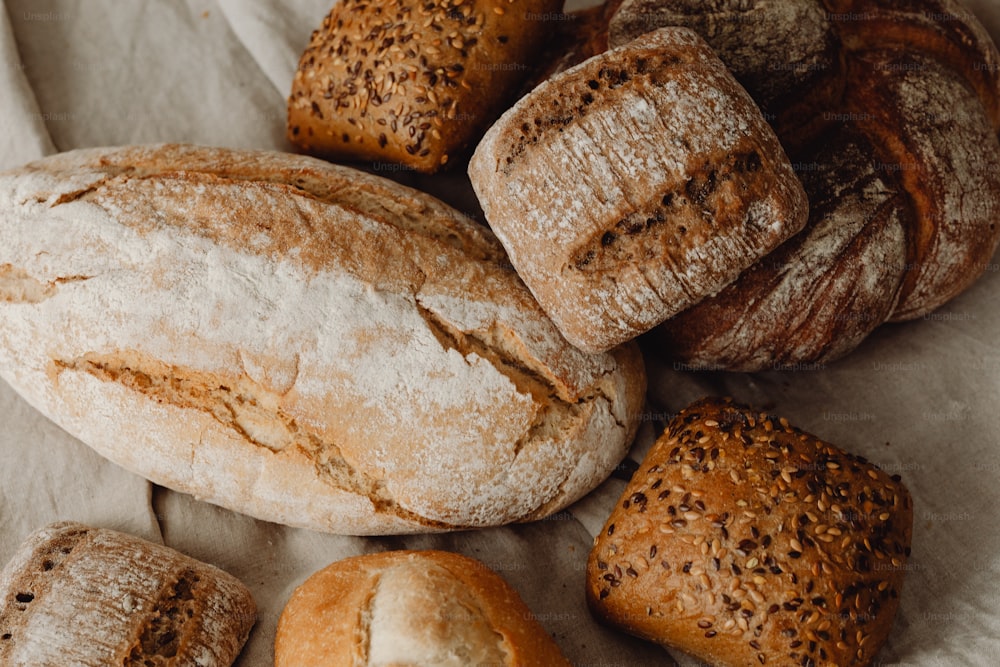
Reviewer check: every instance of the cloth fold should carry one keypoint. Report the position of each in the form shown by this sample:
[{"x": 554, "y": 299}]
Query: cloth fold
[
  {"x": 23, "y": 136},
  {"x": 919, "y": 398}
]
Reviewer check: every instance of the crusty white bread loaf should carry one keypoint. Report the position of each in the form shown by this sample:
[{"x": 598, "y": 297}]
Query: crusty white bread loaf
[
  {"x": 633, "y": 185},
  {"x": 911, "y": 90},
  {"x": 298, "y": 341},
  {"x": 745, "y": 541},
  {"x": 90, "y": 597},
  {"x": 410, "y": 608}
]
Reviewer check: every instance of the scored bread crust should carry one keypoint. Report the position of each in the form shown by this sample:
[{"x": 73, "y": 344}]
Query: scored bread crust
[
  {"x": 410, "y": 607},
  {"x": 297, "y": 341},
  {"x": 76, "y": 595},
  {"x": 743, "y": 541},
  {"x": 913, "y": 84},
  {"x": 633, "y": 185}
]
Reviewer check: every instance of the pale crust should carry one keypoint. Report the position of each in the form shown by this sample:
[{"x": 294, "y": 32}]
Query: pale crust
[
  {"x": 744, "y": 541},
  {"x": 633, "y": 185},
  {"x": 297, "y": 341},
  {"x": 919, "y": 82},
  {"x": 410, "y": 607},
  {"x": 76, "y": 595}
]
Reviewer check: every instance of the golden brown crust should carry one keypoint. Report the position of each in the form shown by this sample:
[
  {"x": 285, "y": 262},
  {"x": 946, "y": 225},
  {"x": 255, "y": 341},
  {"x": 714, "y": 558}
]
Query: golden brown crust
[
  {"x": 743, "y": 540},
  {"x": 633, "y": 185},
  {"x": 78, "y": 595},
  {"x": 412, "y": 82},
  {"x": 429, "y": 607}
]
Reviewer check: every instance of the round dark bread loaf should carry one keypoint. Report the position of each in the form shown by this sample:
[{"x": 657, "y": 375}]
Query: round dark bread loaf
[
  {"x": 889, "y": 111},
  {"x": 744, "y": 541}
]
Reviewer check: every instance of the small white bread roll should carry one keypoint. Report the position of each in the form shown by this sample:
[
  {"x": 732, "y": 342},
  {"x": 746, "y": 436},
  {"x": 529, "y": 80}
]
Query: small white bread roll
[{"x": 410, "y": 608}]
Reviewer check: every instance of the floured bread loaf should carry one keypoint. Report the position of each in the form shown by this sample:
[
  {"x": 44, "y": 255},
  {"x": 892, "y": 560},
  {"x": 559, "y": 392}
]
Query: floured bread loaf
[
  {"x": 631, "y": 186},
  {"x": 745, "y": 541},
  {"x": 88, "y": 597},
  {"x": 298, "y": 341},
  {"x": 410, "y": 608},
  {"x": 890, "y": 111}
]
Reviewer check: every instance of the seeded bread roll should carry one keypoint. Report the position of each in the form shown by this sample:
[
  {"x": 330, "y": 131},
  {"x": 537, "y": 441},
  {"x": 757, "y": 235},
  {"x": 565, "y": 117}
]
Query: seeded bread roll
[
  {"x": 297, "y": 341},
  {"x": 89, "y": 597},
  {"x": 412, "y": 82},
  {"x": 633, "y": 185},
  {"x": 742, "y": 540},
  {"x": 410, "y": 608}
]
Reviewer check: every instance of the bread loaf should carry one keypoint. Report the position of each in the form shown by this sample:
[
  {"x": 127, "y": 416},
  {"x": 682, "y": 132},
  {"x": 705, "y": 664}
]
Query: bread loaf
[
  {"x": 410, "y": 608},
  {"x": 633, "y": 185},
  {"x": 89, "y": 597},
  {"x": 298, "y": 341},
  {"x": 412, "y": 82},
  {"x": 744, "y": 541},
  {"x": 899, "y": 229}
]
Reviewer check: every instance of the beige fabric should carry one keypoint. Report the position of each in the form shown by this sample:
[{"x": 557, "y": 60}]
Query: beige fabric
[{"x": 921, "y": 399}]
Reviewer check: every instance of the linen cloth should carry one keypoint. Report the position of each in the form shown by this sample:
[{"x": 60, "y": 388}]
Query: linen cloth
[{"x": 921, "y": 399}]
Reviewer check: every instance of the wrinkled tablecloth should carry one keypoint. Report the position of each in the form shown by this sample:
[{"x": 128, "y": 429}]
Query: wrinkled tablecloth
[{"x": 921, "y": 399}]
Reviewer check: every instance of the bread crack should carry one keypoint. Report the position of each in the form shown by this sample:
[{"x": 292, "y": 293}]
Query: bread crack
[
  {"x": 554, "y": 406},
  {"x": 19, "y": 286},
  {"x": 167, "y": 625},
  {"x": 248, "y": 410}
]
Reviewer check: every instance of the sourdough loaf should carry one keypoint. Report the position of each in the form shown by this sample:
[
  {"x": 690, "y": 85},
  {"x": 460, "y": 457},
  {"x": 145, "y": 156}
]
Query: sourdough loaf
[
  {"x": 911, "y": 92},
  {"x": 744, "y": 541},
  {"x": 412, "y": 82},
  {"x": 410, "y": 608},
  {"x": 298, "y": 341},
  {"x": 89, "y": 597},
  {"x": 633, "y": 185}
]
